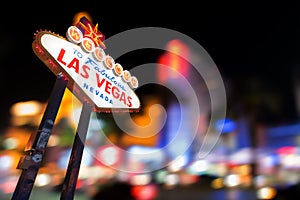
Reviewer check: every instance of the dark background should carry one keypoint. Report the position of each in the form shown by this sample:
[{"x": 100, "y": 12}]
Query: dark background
[{"x": 255, "y": 45}]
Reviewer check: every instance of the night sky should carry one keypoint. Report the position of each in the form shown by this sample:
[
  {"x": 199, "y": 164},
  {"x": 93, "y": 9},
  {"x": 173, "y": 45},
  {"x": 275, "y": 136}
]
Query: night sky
[{"x": 254, "y": 40}]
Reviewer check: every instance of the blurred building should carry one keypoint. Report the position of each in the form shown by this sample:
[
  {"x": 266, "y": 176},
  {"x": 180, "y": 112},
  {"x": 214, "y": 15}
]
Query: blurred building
[{"x": 181, "y": 136}]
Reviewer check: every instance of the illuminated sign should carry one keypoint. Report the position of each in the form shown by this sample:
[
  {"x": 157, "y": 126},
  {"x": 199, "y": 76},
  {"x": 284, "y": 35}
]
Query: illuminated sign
[{"x": 93, "y": 75}]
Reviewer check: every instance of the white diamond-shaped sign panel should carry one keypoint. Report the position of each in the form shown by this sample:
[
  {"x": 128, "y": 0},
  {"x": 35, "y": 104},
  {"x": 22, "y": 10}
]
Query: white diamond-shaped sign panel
[{"x": 92, "y": 74}]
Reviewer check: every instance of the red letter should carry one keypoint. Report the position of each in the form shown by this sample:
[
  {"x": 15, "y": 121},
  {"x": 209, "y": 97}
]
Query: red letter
[
  {"x": 60, "y": 56},
  {"x": 129, "y": 101},
  {"x": 100, "y": 83},
  {"x": 122, "y": 98},
  {"x": 74, "y": 64},
  {"x": 85, "y": 74},
  {"x": 115, "y": 94},
  {"x": 107, "y": 87}
]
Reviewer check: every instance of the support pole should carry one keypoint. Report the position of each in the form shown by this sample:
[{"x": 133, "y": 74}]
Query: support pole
[
  {"x": 71, "y": 177},
  {"x": 36, "y": 146}
]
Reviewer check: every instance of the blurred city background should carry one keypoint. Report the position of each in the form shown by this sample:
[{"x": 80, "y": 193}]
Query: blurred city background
[{"x": 255, "y": 47}]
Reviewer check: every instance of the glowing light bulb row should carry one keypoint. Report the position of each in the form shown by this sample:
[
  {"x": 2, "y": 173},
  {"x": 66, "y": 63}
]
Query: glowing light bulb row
[{"x": 75, "y": 36}]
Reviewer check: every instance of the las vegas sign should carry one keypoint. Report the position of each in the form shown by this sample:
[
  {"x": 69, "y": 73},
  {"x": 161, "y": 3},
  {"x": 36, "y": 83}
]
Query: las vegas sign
[{"x": 93, "y": 76}]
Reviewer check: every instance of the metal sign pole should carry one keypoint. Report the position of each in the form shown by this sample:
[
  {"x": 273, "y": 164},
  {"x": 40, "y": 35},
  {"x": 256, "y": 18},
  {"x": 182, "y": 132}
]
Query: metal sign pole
[
  {"x": 37, "y": 143},
  {"x": 71, "y": 177}
]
